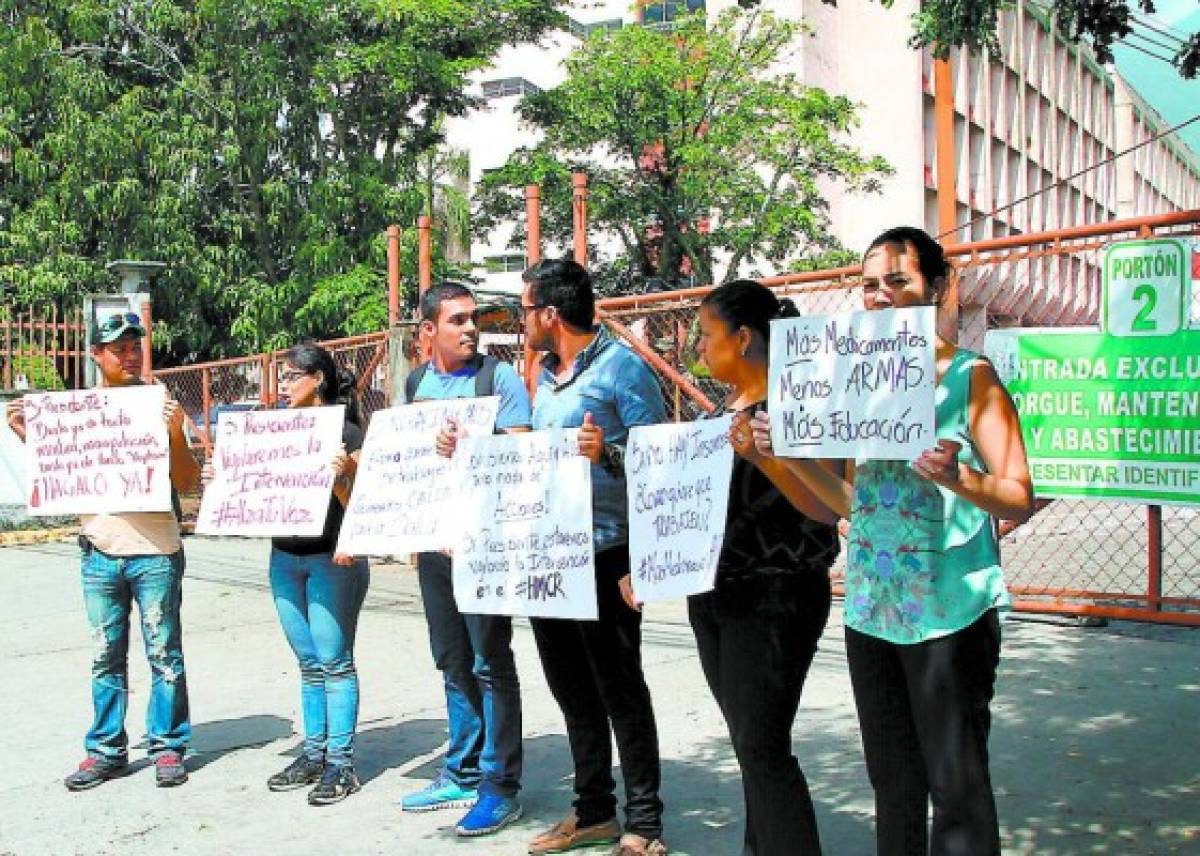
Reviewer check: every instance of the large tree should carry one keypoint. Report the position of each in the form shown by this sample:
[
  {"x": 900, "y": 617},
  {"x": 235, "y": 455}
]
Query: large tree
[
  {"x": 704, "y": 158},
  {"x": 943, "y": 24},
  {"x": 260, "y": 147}
]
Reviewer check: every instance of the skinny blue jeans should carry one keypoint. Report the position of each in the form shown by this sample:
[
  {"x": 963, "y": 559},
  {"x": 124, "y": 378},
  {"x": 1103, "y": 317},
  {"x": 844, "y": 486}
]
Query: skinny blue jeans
[
  {"x": 318, "y": 604},
  {"x": 111, "y": 585}
]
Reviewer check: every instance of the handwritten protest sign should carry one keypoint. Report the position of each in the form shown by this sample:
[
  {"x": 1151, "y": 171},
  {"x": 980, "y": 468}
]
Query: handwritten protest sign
[
  {"x": 526, "y": 547},
  {"x": 858, "y": 385},
  {"x": 271, "y": 472},
  {"x": 678, "y": 482},
  {"x": 98, "y": 451},
  {"x": 406, "y": 497}
]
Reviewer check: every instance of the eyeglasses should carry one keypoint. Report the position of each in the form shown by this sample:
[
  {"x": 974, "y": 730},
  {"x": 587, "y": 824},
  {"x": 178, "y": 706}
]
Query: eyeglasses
[
  {"x": 525, "y": 310},
  {"x": 292, "y": 376},
  {"x": 121, "y": 319}
]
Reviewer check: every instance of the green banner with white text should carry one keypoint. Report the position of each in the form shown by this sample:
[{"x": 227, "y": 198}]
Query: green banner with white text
[{"x": 1104, "y": 416}]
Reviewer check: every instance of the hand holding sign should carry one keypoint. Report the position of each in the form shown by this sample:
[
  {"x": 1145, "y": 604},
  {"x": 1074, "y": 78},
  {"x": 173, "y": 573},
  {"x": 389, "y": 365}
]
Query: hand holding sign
[
  {"x": 340, "y": 463},
  {"x": 447, "y": 438},
  {"x": 591, "y": 439},
  {"x": 14, "y": 414},
  {"x": 760, "y": 429},
  {"x": 173, "y": 415},
  {"x": 940, "y": 464},
  {"x": 741, "y": 437}
]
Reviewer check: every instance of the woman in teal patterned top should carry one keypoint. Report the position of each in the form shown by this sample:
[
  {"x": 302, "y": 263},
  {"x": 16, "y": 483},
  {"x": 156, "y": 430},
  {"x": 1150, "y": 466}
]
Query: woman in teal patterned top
[{"x": 923, "y": 581}]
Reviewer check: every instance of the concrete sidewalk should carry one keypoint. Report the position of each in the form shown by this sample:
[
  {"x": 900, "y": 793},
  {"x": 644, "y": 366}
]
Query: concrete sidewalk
[{"x": 1095, "y": 744}]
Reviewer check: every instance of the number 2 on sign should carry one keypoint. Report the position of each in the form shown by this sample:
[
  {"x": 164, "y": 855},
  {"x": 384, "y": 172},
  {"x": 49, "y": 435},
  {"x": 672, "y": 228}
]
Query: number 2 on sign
[{"x": 1147, "y": 295}]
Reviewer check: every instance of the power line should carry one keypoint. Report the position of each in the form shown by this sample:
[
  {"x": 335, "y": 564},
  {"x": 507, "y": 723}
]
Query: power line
[
  {"x": 1149, "y": 53},
  {"x": 1169, "y": 32},
  {"x": 1150, "y": 40},
  {"x": 1071, "y": 177}
]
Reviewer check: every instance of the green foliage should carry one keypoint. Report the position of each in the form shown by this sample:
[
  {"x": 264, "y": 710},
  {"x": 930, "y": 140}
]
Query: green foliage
[
  {"x": 944, "y": 24},
  {"x": 696, "y": 148},
  {"x": 260, "y": 147},
  {"x": 37, "y": 369}
]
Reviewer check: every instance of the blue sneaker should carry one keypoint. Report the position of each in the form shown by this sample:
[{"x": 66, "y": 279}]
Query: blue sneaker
[
  {"x": 440, "y": 793},
  {"x": 491, "y": 814}
]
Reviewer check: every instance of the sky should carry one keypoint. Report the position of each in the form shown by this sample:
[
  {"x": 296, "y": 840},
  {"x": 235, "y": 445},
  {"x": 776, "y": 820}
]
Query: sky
[{"x": 1158, "y": 83}]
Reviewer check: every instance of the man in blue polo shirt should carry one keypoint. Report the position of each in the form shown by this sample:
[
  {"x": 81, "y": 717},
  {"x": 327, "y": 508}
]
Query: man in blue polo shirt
[{"x": 474, "y": 652}]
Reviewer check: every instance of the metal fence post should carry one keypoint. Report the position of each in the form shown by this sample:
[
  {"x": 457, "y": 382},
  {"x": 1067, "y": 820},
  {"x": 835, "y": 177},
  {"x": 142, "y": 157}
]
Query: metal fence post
[
  {"x": 147, "y": 348},
  {"x": 533, "y": 255},
  {"x": 206, "y": 404},
  {"x": 393, "y": 263},
  {"x": 579, "y": 194},
  {"x": 424, "y": 252},
  {"x": 1154, "y": 544}
]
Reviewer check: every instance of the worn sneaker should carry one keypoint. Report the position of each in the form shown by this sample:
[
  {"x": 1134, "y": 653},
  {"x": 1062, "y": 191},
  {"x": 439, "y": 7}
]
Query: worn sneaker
[
  {"x": 95, "y": 770},
  {"x": 169, "y": 770},
  {"x": 303, "y": 771},
  {"x": 568, "y": 834},
  {"x": 440, "y": 793},
  {"x": 337, "y": 783},
  {"x": 632, "y": 844},
  {"x": 490, "y": 814}
]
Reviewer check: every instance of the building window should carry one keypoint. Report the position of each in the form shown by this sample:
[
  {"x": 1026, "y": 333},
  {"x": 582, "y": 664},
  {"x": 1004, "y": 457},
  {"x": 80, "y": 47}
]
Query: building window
[
  {"x": 507, "y": 86},
  {"x": 584, "y": 30},
  {"x": 662, "y": 13},
  {"x": 507, "y": 263}
]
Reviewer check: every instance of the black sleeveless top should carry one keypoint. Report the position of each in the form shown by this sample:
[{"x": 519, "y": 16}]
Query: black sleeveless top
[{"x": 765, "y": 535}]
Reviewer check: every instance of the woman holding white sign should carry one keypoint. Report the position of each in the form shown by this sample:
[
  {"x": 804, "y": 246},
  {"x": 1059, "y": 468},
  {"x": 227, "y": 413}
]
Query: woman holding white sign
[
  {"x": 923, "y": 581},
  {"x": 318, "y": 594},
  {"x": 757, "y": 630}
]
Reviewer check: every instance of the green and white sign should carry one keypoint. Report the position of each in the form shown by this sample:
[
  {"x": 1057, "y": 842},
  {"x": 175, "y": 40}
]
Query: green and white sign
[{"x": 1114, "y": 412}]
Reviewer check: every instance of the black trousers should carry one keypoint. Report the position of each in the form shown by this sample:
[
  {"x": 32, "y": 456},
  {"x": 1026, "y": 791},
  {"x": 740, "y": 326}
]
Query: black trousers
[
  {"x": 594, "y": 670},
  {"x": 924, "y": 714},
  {"x": 756, "y": 640}
]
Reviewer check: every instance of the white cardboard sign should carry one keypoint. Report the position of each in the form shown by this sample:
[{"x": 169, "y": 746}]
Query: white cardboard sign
[
  {"x": 271, "y": 472},
  {"x": 527, "y": 545},
  {"x": 406, "y": 497},
  {"x": 857, "y": 385},
  {"x": 98, "y": 451},
  {"x": 678, "y": 480}
]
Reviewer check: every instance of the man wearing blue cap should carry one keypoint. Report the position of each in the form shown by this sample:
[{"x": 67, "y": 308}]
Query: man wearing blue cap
[{"x": 130, "y": 557}]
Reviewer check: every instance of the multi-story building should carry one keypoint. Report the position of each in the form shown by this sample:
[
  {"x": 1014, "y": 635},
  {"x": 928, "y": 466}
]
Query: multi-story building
[{"x": 1028, "y": 124}]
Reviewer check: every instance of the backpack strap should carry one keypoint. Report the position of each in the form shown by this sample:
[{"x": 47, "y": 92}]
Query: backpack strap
[
  {"x": 485, "y": 378},
  {"x": 413, "y": 381}
]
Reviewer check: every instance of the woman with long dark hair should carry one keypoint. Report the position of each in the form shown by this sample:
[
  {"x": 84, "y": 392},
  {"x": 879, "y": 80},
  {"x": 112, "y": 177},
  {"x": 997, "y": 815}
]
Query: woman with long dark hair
[
  {"x": 318, "y": 595},
  {"x": 757, "y": 630},
  {"x": 923, "y": 581}
]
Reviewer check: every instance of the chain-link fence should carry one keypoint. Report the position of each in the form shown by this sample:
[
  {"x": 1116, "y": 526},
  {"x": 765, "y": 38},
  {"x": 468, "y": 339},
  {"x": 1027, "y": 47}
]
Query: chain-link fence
[
  {"x": 1076, "y": 557},
  {"x": 1083, "y": 557}
]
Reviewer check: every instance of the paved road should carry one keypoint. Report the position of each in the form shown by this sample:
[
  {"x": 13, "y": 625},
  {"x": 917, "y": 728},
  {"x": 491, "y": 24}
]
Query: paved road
[{"x": 1095, "y": 747}]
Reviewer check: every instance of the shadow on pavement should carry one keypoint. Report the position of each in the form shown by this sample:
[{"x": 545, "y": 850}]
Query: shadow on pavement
[
  {"x": 702, "y": 796},
  {"x": 1087, "y": 738},
  {"x": 212, "y": 740},
  {"x": 377, "y": 750}
]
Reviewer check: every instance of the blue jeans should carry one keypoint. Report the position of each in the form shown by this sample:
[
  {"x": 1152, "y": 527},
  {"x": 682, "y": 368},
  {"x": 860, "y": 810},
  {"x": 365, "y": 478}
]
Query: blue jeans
[
  {"x": 111, "y": 584},
  {"x": 318, "y": 604},
  {"x": 483, "y": 693}
]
